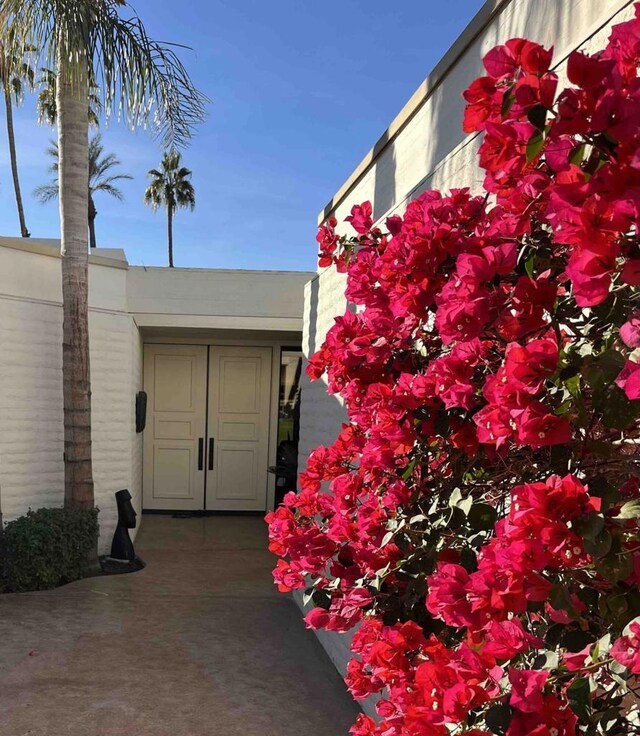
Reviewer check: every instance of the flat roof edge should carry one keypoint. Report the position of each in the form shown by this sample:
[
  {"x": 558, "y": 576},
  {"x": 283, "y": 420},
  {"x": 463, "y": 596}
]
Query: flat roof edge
[
  {"x": 182, "y": 269},
  {"x": 51, "y": 247}
]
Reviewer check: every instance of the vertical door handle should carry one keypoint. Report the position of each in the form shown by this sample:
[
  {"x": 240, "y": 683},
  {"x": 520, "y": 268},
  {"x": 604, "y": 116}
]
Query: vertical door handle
[
  {"x": 211, "y": 444},
  {"x": 200, "y": 453}
]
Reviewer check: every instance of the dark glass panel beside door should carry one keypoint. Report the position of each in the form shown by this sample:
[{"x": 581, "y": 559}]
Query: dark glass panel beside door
[{"x": 288, "y": 422}]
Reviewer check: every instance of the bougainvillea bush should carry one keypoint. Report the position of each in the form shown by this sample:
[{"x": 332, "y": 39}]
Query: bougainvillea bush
[{"x": 477, "y": 517}]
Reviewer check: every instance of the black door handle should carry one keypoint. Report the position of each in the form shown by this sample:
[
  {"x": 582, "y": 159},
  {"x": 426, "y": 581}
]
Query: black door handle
[
  {"x": 200, "y": 453},
  {"x": 211, "y": 443}
]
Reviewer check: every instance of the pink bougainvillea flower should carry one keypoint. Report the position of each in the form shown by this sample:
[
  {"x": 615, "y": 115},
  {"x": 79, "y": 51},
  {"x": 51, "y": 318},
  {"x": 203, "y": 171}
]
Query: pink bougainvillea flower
[
  {"x": 485, "y": 100},
  {"x": 526, "y": 367},
  {"x": 364, "y": 726},
  {"x": 629, "y": 379},
  {"x": 587, "y": 71},
  {"x": 630, "y": 331},
  {"x": 555, "y": 718},
  {"x": 515, "y": 54},
  {"x": 448, "y": 595},
  {"x": 538, "y": 428},
  {"x": 317, "y": 618},
  {"x": 527, "y": 688},
  {"x": 626, "y": 649},
  {"x": 590, "y": 273},
  {"x": 360, "y": 217},
  {"x": 505, "y": 639},
  {"x": 631, "y": 272}
]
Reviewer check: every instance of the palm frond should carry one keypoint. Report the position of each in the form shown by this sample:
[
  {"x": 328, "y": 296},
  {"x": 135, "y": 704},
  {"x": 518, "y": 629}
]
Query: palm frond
[
  {"x": 47, "y": 104},
  {"x": 46, "y": 192},
  {"x": 140, "y": 80},
  {"x": 99, "y": 165},
  {"x": 116, "y": 177},
  {"x": 16, "y": 74},
  {"x": 108, "y": 188}
]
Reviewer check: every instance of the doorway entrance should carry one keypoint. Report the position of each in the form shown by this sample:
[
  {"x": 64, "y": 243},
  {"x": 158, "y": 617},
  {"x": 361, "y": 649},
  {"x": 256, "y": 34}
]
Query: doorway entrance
[{"x": 206, "y": 443}]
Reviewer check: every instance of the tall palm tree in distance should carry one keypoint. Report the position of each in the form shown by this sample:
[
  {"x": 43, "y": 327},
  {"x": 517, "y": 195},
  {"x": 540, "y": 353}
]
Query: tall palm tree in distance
[
  {"x": 89, "y": 42},
  {"x": 46, "y": 102},
  {"x": 101, "y": 179},
  {"x": 15, "y": 75},
  {"x": 170, "y": 187}
]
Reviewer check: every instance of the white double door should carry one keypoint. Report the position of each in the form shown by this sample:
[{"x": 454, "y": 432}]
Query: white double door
[{"x": 206, "y": 441}]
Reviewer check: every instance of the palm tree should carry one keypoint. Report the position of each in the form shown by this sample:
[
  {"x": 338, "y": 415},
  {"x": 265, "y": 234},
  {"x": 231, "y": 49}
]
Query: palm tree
[
  {"x": 100, "y": 179},
  {"x": 170, "y": 186},
  {"x": 87, "y": 41},
  {"x": 46, "y": 102},
  {"x": 15, "y": 73}
]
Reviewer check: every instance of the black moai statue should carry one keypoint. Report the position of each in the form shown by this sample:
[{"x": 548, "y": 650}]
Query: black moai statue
[{"x": 122, "y": 546}]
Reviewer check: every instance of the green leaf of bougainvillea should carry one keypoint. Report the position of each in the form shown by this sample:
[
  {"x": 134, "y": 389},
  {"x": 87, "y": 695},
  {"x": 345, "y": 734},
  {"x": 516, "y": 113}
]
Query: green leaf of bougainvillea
[
  {"x": 538, "y": 116},
  {"x": 469, "y": 560},
  {"x": 579, "y": 696},
  {"x": 575, "y": 640},
  {"x": 482, "y": 517},
  {"x": 553, "y": 635},
  {"x": 589, "y": 526},
  {"x": 603, "y": 370},
  {"x": 498, "y": 718},
  {"x": 507, "y": 102},
  {"x": 577, "y": 154},
  {"x": 600, "y": 545},
  {"x": 560, "y": 600},
  {"x": 321, "y": 599},
  {"x": 617, "y": 411},
  {"x": 534, "y": 146},
  {"x": 616, "y": 565}
]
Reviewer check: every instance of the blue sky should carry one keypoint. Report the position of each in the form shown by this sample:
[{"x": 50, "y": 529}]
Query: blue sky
[{"x": 300, "y": 92}]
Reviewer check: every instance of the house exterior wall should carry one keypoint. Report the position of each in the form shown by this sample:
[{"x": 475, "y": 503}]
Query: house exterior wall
[
  {"x": 127, "y": 307},
  {"x": 31, "y": 421},
  {"x": 424, "y": 148}
]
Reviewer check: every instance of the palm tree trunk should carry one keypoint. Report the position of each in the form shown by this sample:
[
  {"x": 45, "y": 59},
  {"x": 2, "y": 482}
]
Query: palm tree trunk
[
  {"x": 170, "y": 233},
  {"x": 14, "y": 161},
  {"x": 92, "y": 222},
  {"x": 73, "y": 147}
]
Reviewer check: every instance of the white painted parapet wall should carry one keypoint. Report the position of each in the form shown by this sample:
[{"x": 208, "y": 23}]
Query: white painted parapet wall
[
  {"x": 217, "y": 298},
  {"x": 425, "y": 148}
]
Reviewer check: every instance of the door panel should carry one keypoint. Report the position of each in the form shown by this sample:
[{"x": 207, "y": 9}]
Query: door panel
[
  {"x": 239, "y": 402},
  {"x": 175, "y": 379}
]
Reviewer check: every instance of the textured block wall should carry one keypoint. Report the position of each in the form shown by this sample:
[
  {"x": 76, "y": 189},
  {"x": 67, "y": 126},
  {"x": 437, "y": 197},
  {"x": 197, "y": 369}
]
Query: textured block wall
[
  {"x": 31, "y": 432},
  {"x": 321, "y": 414},
  {"x": 431, "y": 151},
  {"x": 31, "y": 422},
  {"x": 113, "y": 414}
]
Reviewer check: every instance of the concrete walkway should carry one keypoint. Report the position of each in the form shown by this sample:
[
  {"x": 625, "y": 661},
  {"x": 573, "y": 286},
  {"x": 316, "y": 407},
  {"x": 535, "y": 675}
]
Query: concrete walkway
[{"x": 200, "y": 643}]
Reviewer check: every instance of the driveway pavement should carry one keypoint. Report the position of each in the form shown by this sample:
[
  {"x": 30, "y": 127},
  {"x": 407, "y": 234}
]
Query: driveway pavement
[{"x": 200, "y": 643}]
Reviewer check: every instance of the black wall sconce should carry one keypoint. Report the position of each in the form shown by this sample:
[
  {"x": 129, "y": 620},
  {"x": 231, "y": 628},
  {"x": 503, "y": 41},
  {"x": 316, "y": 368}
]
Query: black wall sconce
[{"x": 141, "y": 410}]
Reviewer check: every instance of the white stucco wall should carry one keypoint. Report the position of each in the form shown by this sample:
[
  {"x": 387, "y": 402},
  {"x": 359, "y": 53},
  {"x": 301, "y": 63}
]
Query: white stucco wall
[
  {"x": 425, "y": 147},
  {"x": 31, "y": 429}
]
